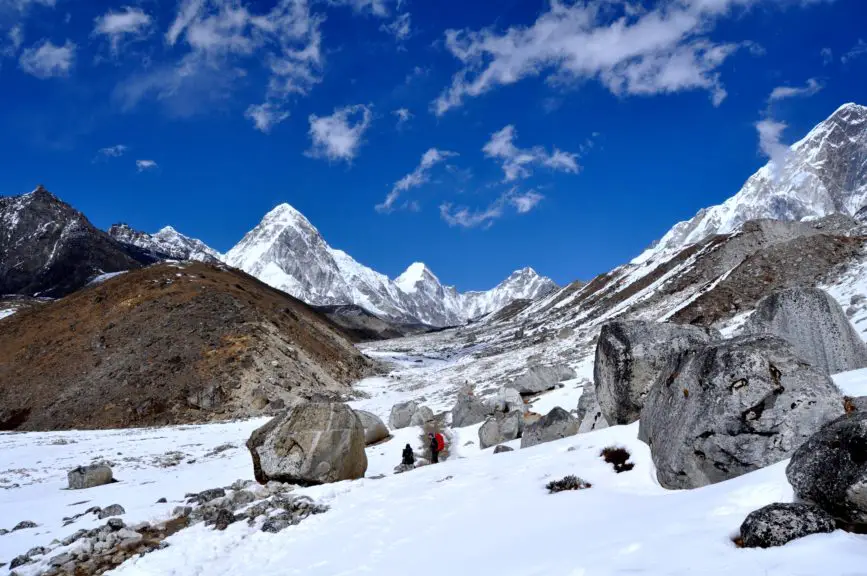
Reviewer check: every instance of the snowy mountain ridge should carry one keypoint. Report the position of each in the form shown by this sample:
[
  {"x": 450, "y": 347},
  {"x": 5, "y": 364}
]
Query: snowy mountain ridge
[
  {"x": 167, "y": 242},
  {"x": 287, "y": 252},
  {"x": 823, "y": 173}
]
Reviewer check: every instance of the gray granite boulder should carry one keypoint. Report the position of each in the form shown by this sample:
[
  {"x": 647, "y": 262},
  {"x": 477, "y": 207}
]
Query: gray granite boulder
[
  {"x": 89, "y": 476},
  {"x": 501, "y": 427},
  {"x": 469, "y": 409},
  {"x": 541, "y": 378},
  {"x": 589, "y": 414},
  {"x": 421, "y": 416},
  {"x": 401, "y": 414},
  {"x": 777, "y": 524},
  {"x": 555, "y": 425},
  {"x": 374, "y": 429}
]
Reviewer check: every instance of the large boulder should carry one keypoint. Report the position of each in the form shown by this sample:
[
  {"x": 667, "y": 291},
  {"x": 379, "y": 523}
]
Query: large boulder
[
  {"x": 777, "y": 524},
  {"x": 814, "y": 324},
  {"x": 630, "y": 354},
  {"x": 311, "y": 443},
  {"x": 401, "y": 414},
  {"x": 555, "y": 425},
  {"x": 374, "y": 429},
  {"x": 501, "y": 427},
  {"x": 469, "y": 409},
  {"x": 589, "y": 413},
  {"x": 421, "y": 416},
  {"x": 89, "y": 476},
  {"x": 509, "y": 400},
  {"x": 733, "y": 407},
  {"x": 830, "y": 470},
  {"x": 541, "y": 378}
]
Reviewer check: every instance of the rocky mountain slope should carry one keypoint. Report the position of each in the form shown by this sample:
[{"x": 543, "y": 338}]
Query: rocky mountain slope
[
  {"x": 823, "y": 173},
  {"x": 48, "y": 248},
  {"x": 170, "y": 343},
  {"x": 286, "y": 251},
  {"x": 167, "y": 244}
]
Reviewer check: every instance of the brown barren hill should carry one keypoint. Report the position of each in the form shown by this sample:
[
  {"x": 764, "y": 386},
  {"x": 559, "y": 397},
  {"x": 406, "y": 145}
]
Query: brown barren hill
[{"x": 172, "y": 343}]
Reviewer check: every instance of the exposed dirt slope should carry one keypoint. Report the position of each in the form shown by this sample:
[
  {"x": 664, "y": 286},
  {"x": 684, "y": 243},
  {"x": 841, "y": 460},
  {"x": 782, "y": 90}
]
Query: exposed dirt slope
[{"x": 167, "y": 344}]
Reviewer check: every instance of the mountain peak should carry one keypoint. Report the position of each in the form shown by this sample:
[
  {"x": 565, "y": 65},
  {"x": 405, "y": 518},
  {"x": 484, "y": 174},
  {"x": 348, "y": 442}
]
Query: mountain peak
[
  {"x": 168, "y": 230},
  {"x": 415, "y": 273}
]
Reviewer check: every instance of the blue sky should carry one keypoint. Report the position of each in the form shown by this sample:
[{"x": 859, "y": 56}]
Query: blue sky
[{"x": 478, "y": 137}]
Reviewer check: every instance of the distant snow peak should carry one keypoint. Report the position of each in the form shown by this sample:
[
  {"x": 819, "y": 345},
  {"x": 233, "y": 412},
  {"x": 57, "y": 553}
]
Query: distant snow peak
[
  {"x": 287, "y": 252},
  {"x": 167, "y": 243},
  {"x": 823, "y": 173}
]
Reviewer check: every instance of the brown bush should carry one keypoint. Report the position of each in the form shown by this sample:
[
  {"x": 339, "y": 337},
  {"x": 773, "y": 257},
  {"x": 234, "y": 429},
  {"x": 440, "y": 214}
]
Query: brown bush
[
  {"x": 618, "y": 457},
  {"x": 433, "y": 427},
  {"x": 570, "y": 482}
]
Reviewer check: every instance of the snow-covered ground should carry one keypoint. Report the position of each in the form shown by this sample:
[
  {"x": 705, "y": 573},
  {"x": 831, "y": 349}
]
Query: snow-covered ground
[{"x": 477, "y": 513}]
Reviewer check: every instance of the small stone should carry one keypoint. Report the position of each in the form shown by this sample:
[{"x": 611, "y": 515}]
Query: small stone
[
  {"x": 208, "y": 495},
  {"x": 162, "y": 501},
  {"x": 113, "y": 510},
  {"x": 24, "y": 525},
  {"x": 61, "y": 559},
  {"x": 19, "y": 561},
  {"x": 182, "y": 511},
  {"x": 115, "y": 524},
  {"x": 503, "y": 448},
  {"x": 73, "y": 537},
  {"x": 274, "y": 524},
  {"x": 37, "y": 551},
  {"x": 223, "y": 519},
  {"x": 241, "y": 484}
]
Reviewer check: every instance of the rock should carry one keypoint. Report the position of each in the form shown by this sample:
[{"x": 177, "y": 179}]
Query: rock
[
  {"x": 733, "y": 407},
  {"x": 113, "y": 510},
  {"x": 207, "y": 495},
  {"x": 541, "y": 378},
  {"x": 421, "y": 416},
  {"x": 777, "y": 524},
  {"x": 162, "y": 501},
  {"x": 274, "y": 524},
  {"x": 242, "y": 498},
  {"x": 830, "y": 470},
  {"x": 630, "y": 354},
  {"x": 182, "y": 511},
  {"x": 311, "y": 443},
  {"x": 500, "y": 428},
  {"x": 855, "y": 404},
  {"x": 814, "y": 324},
  {"x": 589, "y": 413},
  {"x": 37, "y": 551},
  {"x": 61, "y": 559},
  {"x": 555, "y": 425},
  {"x": 469, "y": 409},
  {"x": 209, "y": 398},
  {"x": 89, "y": 476},
  {"x": 374, "y": 428},
  {"x": 223, "y": 519},
  {"x": 115, "y": 524},
  {"x": 24, "y": 525},
  {"x": 401, "y": 414},
  {"x": 509, "y": 400},
  {"x": 500, "y": 449},
  {"x": 19, "y": 561},
  {"x": 74, "y": 537}
]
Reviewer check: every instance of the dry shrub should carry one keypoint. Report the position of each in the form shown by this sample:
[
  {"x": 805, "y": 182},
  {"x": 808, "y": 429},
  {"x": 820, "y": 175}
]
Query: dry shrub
[
  {"x": 570, "y": 482},
  {"x": 618, "y": 457}
]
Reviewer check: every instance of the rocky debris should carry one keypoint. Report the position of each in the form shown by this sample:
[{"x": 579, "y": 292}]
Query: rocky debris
[
  {"x": 89, "y": 476},
  {"x": 501, "y": 448},
  {"x": 500, "y": 428},
  {"x": 115, "y": 524},
  {"x": 855, "y": 404},
  {"x": 508, "y": 400},
  {"x": 630, "y": 354},
  {"x": 555, "y": 425},
  {"x": 733, "y": 407},
  {"x": 567, "y": 483},
  {"x": 589, "y": 414},
  {"x": 469, "y": 409},
  {"x": 24, "y": 525},
  {"x": 422, "y": 416},
  {"x": 19, "y": 561},
  {"x": 814, "y": 324},
  {"x": 830, "y": 470},
  {"x": 419, "y": 462},
  {"x": 401, "y": 414},
  {"x": 374, "y": 428},
  {"x": 539, "y": 378},
  {"x": 777, "y": 524},
  {"x": 113, "y": 510},
  {"x": 311, "y": 443},
  {"x": 205, "y": 496},
  {"x": 223, "y": 518}
]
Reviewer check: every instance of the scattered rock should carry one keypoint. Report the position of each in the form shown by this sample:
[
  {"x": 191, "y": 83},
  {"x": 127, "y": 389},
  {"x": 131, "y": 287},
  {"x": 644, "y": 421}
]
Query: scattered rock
[
  {"x": 830, "y": 471},
  {"x": 501, "y": 448},
  {"x": 469, "y": 409},
  {"x": 777, "y": 524},
  {"x": 89, "y": 476},
  {"x": 589, "y": 413},
  {"x": 421, "y": 416},
  {"x": 19, "y": 561},
  {"x": 37, "y": 551},
  {"x": 401, "y": 414},
  {"x": 374, "y": 428},
  {"x": 814, "y": 324},
  {"x": 220, "y": 449},
  {"x": 733, "y": 407},
  {"x": 568, "y": 483},
  {"x": 276, "y": 523},
  {"x": 162, "y": 501},
  {"x": 61, "y": 559},
  {"x": 500, "y": 428},
  {"x": 555, "y": 425},
  {"x": 115, "y": 524},
  {"x": 113, "y": 510},
  {"x": 509, "y": 400},
  {"x": 311, "y": 443},
  {"x": 630, "y": 354},
  {"x": 223, "y": 519},
  {"x": 539, "y": 379},
  {"x": 206, "y": 496},
  {"x": 24, "y": 525}
]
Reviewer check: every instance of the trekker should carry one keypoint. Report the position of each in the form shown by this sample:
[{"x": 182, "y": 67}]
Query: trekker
[
  {"x": 437, "y": 445},
  {"x": 408, "y": 456}
]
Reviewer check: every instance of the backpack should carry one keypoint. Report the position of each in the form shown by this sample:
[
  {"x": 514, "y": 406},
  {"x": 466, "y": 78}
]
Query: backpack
[{"x": 441, "y": 444}]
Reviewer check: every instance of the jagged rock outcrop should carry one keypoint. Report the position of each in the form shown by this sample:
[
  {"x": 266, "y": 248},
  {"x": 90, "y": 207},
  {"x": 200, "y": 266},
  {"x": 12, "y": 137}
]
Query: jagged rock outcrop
[
  {"x": 168, "y": 243},
  {"x": 311, "y": 443},
  {"x": 732, "y": 407},
  {"x": 814, "y": 324},
  {"x": 630, "y": 355},
  {"x": 589, "y": 413}
]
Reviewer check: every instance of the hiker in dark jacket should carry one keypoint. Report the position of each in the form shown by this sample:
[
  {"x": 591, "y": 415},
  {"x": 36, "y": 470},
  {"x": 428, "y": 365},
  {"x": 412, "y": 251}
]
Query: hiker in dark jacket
[
  {"x": 434, "y": 449},
  {"x": 408, "y": 456}
]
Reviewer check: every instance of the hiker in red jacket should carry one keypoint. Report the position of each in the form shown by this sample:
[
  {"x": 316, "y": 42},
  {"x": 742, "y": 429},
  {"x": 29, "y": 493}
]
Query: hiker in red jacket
[{"x": 437, "y": 445}]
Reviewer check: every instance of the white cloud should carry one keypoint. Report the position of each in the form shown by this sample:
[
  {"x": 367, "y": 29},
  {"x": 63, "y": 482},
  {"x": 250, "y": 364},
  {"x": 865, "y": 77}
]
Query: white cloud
[
  {"x": 265, "y": 116},
  {"x": 376, "y": 7},
  {"x": 400, "y": 28},
  {"x": 115, "y": 151},
  {"x": 782, "y": 92},
  {"x": 339, "y": 136},
  {"x": 16, "y": 38},
  {"x": 464, "y": 217},
  {"x": 770, "y": 142},
  {"x": 629, "y": 51},
  {"x": 859, "y": 49},
  {"x": 526, "y": 201},
  {"x": 46, "y": 60},
  {"x": 143, "y": 165},
  {"x": 403, "y": 116},
  {"x": 827, "y": 56},
  {"x": 130, "y": 23},
  {"x": 516, "y": 162},
  {"x": 416, "y": 178}
]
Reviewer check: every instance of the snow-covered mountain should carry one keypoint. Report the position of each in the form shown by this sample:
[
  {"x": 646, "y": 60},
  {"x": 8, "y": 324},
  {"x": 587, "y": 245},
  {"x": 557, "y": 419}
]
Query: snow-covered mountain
[
  {"x": 286, "y": 251},
  {"x": 826, "y": 172},
  {"x": 168, "y": 242}
]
